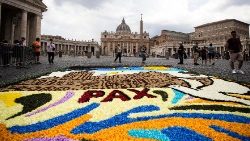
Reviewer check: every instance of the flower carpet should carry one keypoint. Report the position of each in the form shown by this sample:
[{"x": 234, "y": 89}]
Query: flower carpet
[{"x": 125, "y": 103}]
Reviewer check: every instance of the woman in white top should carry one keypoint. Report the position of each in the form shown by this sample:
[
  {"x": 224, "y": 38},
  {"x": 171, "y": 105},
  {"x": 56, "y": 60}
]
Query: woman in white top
[{"x": 51, "y": 51}]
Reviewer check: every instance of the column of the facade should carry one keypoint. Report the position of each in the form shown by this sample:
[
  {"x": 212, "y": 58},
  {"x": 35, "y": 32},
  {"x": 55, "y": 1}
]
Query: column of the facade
[
  {"x": 24, "y": 20},
  {"x": 137, "y": 47},
  {"x": 109, "y": 44},
  {"x": 38, "y": 26},
  {"x": 74, "y": 46},
  {"x": 63, "y": 48},
  {"x": 132, "y": 47},
  {"x": 108, "y": 48},
  {"x": 104, "y": 48},
  {"x": 12, "y": 33},
  {"x": 129, "y": 48},
  {"x": 68, "y": 49},
  {"x": 113, "y": 51},
  {"x": 126, "y": 44}
]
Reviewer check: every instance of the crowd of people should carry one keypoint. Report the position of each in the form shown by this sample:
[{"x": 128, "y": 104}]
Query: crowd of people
[
  {"x": 19, "y": 54},
  {"x": 205, "y": 54},
  {"x": 233, "y": 49},
  {"x": 13, "y": 53}
]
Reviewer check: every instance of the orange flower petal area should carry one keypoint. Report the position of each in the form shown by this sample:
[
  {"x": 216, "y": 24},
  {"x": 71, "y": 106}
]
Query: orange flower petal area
[{"x": 121, "y": 132}]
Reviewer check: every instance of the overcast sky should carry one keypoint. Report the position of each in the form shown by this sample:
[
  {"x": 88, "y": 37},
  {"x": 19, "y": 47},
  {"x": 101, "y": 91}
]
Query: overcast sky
[{"x": 86, "y": 19}]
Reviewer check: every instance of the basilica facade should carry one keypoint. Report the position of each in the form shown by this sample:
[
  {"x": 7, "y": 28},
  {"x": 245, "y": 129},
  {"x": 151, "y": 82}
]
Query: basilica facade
[{"x": 131, "y": 42}]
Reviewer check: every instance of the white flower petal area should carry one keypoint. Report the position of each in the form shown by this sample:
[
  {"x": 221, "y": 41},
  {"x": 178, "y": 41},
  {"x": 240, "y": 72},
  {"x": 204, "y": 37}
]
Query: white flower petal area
[
  {"x": 217, "y": 91},
  {"x": 59, "y": 74}
]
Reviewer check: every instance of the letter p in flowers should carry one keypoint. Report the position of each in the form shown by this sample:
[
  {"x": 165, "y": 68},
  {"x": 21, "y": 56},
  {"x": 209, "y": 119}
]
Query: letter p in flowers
[{"x": 90, "y": 94}]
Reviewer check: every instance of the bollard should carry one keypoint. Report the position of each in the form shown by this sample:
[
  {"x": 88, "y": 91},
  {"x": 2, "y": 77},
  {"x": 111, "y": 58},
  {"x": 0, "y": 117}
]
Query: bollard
[{"x": 97, "y": 54}]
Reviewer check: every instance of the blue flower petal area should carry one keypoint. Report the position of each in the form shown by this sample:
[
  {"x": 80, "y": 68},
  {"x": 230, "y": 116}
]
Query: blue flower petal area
[
  {"x": 230, "y": 133},
  {"x": 183, "y": 134},
  {"x": 92, "y": 127},
  {"x": 178, "y": 96},
  {"x": 148, "y": 134},
  {"x": 54, "y": 121},
  {"x": 176, "y": 69}
]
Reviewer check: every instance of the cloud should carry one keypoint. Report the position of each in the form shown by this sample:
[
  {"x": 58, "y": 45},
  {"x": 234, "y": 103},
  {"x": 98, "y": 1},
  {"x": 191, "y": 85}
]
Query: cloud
[
  {"x": 86, "y": 19},
  {"x": 90, "y": 4},
  {"x": 239, "y": 2}
]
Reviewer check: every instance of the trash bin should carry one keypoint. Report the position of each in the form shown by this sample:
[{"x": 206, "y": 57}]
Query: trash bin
[
  {"x": 89, "y": 54},
  {"x": 60, "y": 54},
  {"x": 167, "y": 55}
]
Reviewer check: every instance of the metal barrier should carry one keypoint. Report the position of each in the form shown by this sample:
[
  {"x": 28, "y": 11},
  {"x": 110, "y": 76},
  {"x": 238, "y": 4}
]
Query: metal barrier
[{"x": 16, "y": 55}]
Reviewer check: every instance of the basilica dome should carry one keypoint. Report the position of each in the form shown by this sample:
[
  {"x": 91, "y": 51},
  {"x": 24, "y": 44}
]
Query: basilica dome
[{"x": 123, "y": 28}]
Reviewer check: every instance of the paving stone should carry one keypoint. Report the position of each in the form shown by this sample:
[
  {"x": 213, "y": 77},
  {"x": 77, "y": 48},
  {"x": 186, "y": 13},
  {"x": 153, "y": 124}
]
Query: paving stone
[{"x": 10, "y": 75}]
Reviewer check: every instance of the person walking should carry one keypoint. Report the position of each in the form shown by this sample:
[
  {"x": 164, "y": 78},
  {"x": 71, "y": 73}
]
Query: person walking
[
  {"x": 118, "y": 54},
  {"x": 204, "y": 55},
  {"x": 211, "y": 54},
  {"x": 143, "y": 54},
  {"x": 234, "y": 46},
  {"x": 181, "y": 52},
  {"x": 51, "y": 51},
  {"x": 37, "y": 48},
  {"x": 196, "y": 52}
]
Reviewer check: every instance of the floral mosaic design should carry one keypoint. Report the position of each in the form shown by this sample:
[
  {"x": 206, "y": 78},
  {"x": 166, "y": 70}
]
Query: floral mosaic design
[{"x": 127, "y": 103}]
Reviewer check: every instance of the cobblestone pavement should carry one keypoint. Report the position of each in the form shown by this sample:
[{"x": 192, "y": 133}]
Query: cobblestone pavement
[{"x": 10, "y": 75}]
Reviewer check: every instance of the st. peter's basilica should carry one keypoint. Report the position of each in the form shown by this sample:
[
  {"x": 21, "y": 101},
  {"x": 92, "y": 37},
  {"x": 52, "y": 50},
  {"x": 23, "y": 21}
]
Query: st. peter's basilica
[{"x": 131, "y": 42}]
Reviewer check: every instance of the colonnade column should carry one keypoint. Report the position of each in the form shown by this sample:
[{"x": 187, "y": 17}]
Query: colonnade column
[
  {"x": 38, "y": 26},
  {"x": 127, "y": 48},
  {"x": 24, "y": 19}
]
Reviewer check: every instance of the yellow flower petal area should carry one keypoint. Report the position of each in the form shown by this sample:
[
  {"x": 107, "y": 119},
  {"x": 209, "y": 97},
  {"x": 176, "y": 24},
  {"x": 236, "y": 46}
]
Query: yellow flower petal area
[
  {"x": 8, "y": 98},
  {"x": 8, "y": 106},
  {"x": 112, "y": 73},
  {"x": 121, "y": 132},
  {"x": 241, "y": 96},
  {"x": 156, "y": 68},
  {"x": 204, "y": 102}
]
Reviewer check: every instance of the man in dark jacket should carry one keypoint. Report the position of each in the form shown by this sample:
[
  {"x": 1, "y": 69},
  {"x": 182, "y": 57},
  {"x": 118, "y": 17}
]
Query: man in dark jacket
[
  {"x": 181, "y": 53},
  {"x": 233, "y": 45}
]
